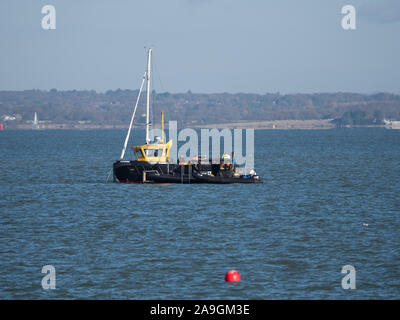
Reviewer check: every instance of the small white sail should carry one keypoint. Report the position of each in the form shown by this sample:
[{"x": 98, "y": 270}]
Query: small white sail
[{"x": 35, "y": 125}]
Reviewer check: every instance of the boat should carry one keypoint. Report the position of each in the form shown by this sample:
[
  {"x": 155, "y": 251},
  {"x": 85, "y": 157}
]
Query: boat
[
  {"x": 35, "y": 124},
  {"x": 389, "y": 124},
  {"x": 153, "y": 163}
]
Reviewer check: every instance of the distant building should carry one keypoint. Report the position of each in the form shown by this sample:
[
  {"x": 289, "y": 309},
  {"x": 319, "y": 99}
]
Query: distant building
[{"x": 8, "y": 118}]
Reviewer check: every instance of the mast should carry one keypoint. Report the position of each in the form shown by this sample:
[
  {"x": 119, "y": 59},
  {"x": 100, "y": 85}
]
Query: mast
[{"x": 148, "y": 74}]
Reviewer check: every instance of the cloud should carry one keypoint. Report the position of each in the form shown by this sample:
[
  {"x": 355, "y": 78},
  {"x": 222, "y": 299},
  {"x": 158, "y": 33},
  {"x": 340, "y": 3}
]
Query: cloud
[{"x": 381, "y": 11}]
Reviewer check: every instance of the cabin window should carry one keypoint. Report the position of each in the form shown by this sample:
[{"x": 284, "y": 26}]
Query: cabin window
[
  {"x": 154, "y": 152},
  {"x": 139, "y": 153}
]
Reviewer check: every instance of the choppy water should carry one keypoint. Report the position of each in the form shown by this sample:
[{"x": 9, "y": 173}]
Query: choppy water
[{"x": 288, "y": 238}]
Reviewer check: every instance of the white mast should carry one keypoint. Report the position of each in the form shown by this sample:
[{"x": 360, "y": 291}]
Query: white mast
[{"x": 148, "y": 96}]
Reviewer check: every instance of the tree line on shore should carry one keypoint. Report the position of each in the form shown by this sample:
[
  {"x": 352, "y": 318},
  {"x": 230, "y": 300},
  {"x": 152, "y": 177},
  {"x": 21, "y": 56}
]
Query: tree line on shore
[{"x": 115, "y": 107}]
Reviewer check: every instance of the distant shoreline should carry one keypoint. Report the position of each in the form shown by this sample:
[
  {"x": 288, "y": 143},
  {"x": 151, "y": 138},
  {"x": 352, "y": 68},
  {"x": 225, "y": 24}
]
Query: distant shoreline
[
  {"x": 274, "y": 124},
  {"x": 257, "y": 125},
  {"x": 84, "y": 110}
]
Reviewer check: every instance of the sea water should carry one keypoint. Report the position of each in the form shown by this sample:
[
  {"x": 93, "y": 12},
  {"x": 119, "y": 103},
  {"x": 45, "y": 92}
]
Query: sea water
[{"x": 330, "y": 198}]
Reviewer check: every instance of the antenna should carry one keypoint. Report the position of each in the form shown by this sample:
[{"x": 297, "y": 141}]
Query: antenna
[{"x": 162, "y": 127}]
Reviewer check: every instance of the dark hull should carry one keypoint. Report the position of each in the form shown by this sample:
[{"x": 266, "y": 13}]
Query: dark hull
[
  {"x": 202, "y": 179},
  {"x": 144, "y": 172},
  {"x": 133, "y": 171},
  {"x": 226, "y": 180},
  {"x": 169, "y": 178}
]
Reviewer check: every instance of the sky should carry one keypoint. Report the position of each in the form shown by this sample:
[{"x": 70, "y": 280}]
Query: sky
[{"x": 206, "y": 46}]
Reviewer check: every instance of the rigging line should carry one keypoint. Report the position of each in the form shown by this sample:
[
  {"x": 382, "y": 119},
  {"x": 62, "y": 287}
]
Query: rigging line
[
  {"x": 109, "y": 173},
  {"x": 133, "y": 116}
]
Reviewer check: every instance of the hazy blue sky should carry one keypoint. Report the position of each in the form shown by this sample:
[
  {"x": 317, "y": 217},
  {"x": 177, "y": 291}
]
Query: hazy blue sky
[{"x": 202, "y": 45}]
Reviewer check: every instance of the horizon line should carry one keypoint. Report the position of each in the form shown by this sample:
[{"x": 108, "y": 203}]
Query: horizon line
[{"x": 207, "y": 93}]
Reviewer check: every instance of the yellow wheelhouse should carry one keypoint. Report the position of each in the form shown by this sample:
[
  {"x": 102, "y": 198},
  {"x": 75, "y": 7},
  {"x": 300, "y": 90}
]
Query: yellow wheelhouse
[{"x": 157, "y": 152}]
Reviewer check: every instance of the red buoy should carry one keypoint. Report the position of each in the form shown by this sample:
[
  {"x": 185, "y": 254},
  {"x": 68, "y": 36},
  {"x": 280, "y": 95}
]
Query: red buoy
[{"x": 232, "y": 276}]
